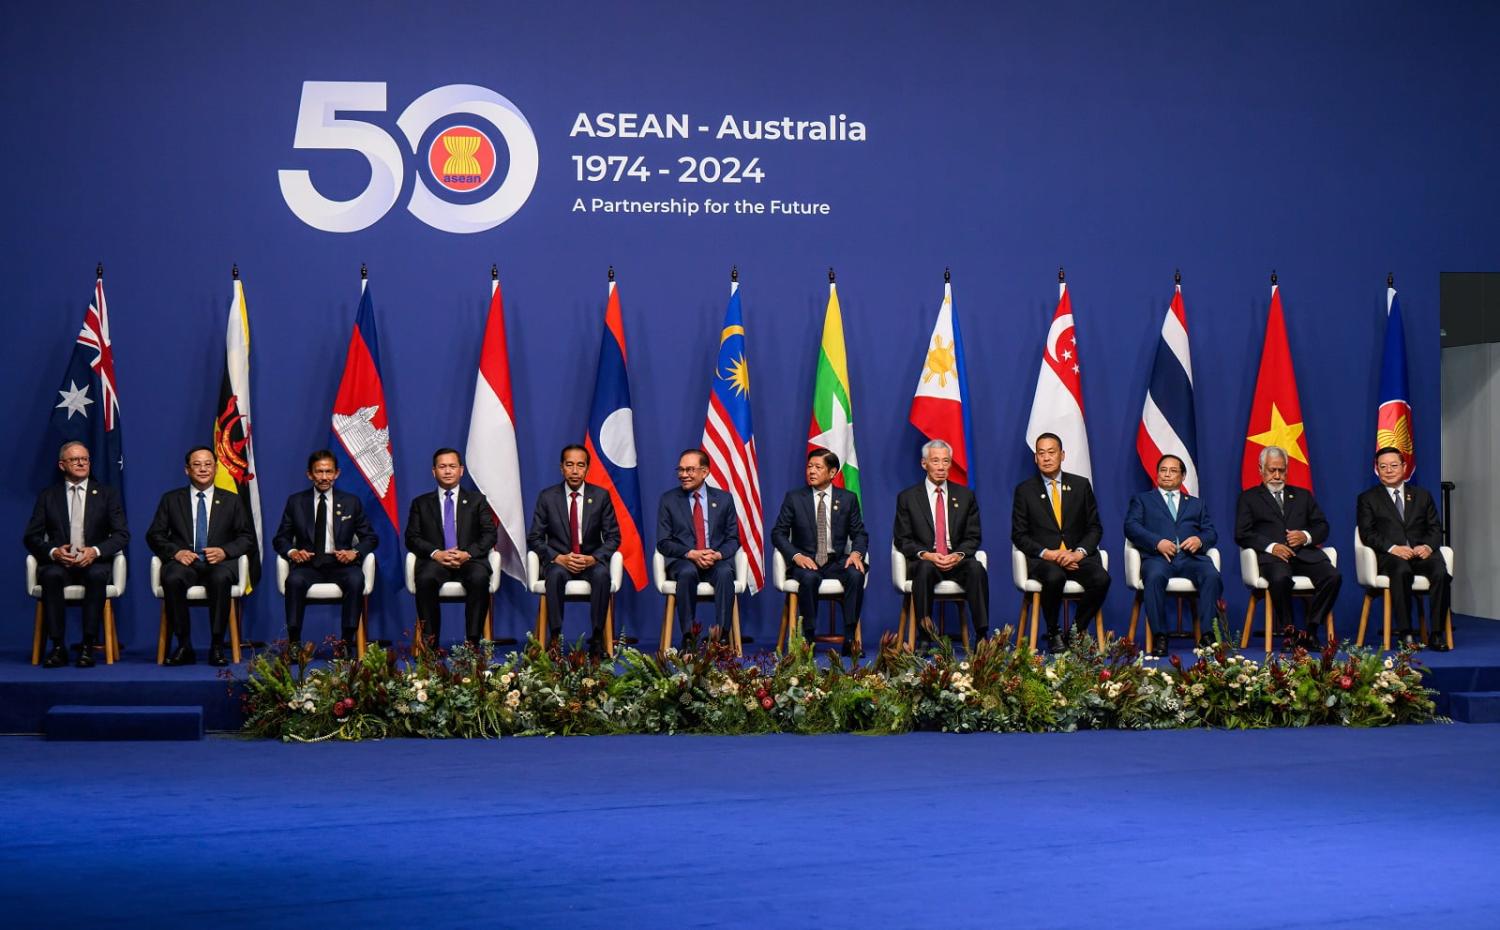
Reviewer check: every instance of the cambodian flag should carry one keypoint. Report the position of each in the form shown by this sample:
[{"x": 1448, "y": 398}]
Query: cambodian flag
[
  {"x": 1393, "y": 423},
  {"x": 611, "y": 439},
  {"x": 729, "y": 438},
  {"x": 362, "y": 444}
]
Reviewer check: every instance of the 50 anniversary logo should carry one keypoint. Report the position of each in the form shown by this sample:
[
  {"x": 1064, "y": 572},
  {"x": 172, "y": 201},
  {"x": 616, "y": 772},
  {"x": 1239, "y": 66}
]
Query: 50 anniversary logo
[{"x": 461, "y": 158}]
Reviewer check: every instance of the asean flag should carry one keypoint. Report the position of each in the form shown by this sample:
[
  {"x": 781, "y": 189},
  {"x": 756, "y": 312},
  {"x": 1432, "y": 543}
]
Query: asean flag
[
  {"x": 1393, "y": 416},
  {"x": 362, "y": 443},
  {"x": 611, "y": 439}
]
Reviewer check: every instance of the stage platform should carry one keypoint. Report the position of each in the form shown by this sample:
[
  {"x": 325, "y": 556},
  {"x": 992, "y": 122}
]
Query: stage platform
[{"x": 27, "y": 691}]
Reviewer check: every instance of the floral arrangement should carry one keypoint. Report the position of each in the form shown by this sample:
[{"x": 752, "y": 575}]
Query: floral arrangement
[{"x": 705, "y": 688}]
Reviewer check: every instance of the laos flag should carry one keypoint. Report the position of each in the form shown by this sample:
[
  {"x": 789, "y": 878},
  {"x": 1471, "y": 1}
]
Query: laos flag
[
  {"x": 611, "y": 439},
  {"x": 362, "y": 443}
]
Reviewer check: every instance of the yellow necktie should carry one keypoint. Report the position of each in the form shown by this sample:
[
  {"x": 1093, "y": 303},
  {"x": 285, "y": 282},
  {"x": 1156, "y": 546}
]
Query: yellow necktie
[{"x": 1056, "y": 488}]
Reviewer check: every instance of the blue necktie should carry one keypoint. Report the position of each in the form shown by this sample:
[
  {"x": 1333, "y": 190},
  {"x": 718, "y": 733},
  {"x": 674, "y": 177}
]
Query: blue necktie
[
  {"x": 450, "y": 523},
  {"x": 1172, "y": 504},
  {"x": 200, "y": 529}
]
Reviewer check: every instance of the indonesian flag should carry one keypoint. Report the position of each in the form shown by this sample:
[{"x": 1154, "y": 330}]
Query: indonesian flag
[
  {"x": 940, "y": 408},
  {"x": 1057, "y": 405},
  {"x": 493, "y": 461},
  {"x": 832, "y": 425},
  {"x": 1275, "y": 412},
  {"x": 1393, "y": 418}
]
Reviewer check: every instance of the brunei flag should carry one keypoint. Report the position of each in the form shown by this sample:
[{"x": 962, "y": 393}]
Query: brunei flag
[
  {"x": 832, "y": 425},
  {"x": 611, "y": 439},
  {"x": 233, "y": 436}
]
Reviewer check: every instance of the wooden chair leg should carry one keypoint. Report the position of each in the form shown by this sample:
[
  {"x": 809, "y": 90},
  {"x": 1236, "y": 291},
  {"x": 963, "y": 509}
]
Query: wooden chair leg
[
  {"x": 1148, "y": 634},
  {"x": 1021, "y": 623},
  {"x": 36, "y": 637},
  {"x": 161, "y": 637},
  {"x": 782, "y": 632},
  {"x": 361, "y": 635},
  {"x": 666, "y": 623},
  {"x": 1267, "y": 600},
  {"x": 609, "y": 626},
  {"x": 1449, "y": 628},
  {"x": 1386, "y": 600},
  {"x": 909, "y": 618},
  {"x": 235, "y": 612},
  {"x": 859, "y": 635},
  {"x": 1099, "y": 628},
  {"x": 1332, "y": 634},
  {"x": 963, "y": 625},
  {"x": 1135, "y": 613},
  {"x": 540, "y": 633},
  {"x": 1364, "y": 616},
  {"x": 111, "y": 641},
  {"x": 734, "y": 634},
  {"x": 489, "y": 620},
  {"x": 1249, "y": 620},
  {"x": 1036, "y": 617},
  {"x": 792, "y": 614}
]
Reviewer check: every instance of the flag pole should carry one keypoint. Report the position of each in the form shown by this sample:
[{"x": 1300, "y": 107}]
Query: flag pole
[
  {"x": 1061, "y": 278},
  {"x": 234, "y": 271},
  {"x": 734, "y": 274},
  {"x": 494, "y": 272},
  {"x": 830, "y": 274},
  {"x": 1390, "y": 279},
  {"x": 611, "y": 272},
  {"x": 99, "y": 271},
  {"x": 1273, "y": 277},
  {"x": 1177, "y": 277},
  {"x": 947, "y": 275}
]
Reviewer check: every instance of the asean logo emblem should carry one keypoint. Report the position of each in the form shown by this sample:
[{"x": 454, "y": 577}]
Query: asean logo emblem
[{"x": 461, "y": 158}]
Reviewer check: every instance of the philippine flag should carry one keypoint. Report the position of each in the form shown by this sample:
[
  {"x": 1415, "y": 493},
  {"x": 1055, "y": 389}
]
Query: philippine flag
[
  {"x": 494, "y": 463},
  {"x": 940, "y": 406},
  {"x": 362, "y": 444},
  {"x": 611, "y": 439}
]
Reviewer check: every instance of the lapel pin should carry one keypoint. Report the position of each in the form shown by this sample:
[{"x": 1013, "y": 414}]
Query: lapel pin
[
  {"x": 463, "y": 500},
  {"x": 96, "y": 491},
  {"x": 1066, "y": 488},
  {"x": 588, "y": 500},
  {"x": 714, "y": 504}
]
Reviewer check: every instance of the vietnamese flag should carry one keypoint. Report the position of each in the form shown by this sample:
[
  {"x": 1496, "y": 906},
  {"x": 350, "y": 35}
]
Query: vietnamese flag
[{"x": 1275, "y": 413}]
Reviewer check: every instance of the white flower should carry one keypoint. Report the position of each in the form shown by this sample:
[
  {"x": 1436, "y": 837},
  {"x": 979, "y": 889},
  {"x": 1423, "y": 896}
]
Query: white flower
[
  {"x": 963, "y": 666},
  {"x": 1390, "y": 663},
  {"x": 507, "y": 678},
  {"x": 466, "y": 681},
  {"x": 512, "y": 699},
  {"x": 488, "y": 672},
  {"x": 292, "y": 704},
  {"x": 793, "y": 682},
  {"x": 589, "y": 682},
  {"x": 308, "y": 706},
  {"x": 422, "y": 696}
]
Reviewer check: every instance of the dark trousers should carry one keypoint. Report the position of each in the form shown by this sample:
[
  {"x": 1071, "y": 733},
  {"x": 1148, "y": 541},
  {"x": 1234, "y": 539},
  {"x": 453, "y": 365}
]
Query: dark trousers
[
  {"x": 808, "y": 580},
  {"x": 687, "y": 575},
  {"x": 54, "y": 577},
  {"x": 325, "y": 569},
  {"x": 969, "y": 573},
  {"x": 1401, "y": 572},
  {"x": 474, "y": 575},
  {"x": 1326, "y": 582},
  {"x": 176, "y": 578},
  {"x": 1199, "y": 569},
  {"x": 556, "y": 578},
  {"x": 1052, "y": 577}
]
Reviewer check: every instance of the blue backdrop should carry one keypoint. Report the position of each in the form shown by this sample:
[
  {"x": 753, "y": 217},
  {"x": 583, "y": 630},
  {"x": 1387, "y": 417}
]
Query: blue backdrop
[{"x": 1332, "y": 142}]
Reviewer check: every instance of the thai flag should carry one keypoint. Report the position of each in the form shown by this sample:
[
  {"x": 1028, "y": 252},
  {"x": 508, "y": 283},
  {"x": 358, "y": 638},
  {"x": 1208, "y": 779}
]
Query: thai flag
[
  {"x": 729, "y": 439},
  {"x": 87, "y": 409},
  {"x": 1167, "y": 422},
  {"x": 1393, "y": 423},
  {"x": 362, "y": 444},
  {"x": 611, "y": 439}
]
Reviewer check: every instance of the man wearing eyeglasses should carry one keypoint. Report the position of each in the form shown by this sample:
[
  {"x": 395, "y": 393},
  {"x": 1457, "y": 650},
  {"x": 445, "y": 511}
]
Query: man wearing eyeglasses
[
  {"x": 75, "y": 531},
  {"x": 1400, "y": 522},
  {"x": 698, "y": 533}
]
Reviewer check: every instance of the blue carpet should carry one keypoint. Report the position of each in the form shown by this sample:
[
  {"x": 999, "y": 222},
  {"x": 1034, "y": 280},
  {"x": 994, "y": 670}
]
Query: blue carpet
[{"x": 1322, "y": 828}]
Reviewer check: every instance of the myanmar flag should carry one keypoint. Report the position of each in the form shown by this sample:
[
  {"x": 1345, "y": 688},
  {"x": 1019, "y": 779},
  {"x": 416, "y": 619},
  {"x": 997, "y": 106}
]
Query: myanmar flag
[{"x": 832, "y": 412}]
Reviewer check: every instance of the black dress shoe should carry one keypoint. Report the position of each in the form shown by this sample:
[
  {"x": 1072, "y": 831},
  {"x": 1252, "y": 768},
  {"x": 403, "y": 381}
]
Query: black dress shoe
[
  {"x": 1437, "y": 642},
  {"x": 183, "y": 656},
  {"x": 1406, "y": 637},
  {"x": 1055, "y": 643},
  {"x": 86, "y": 657},
  {"x": 216, "y": 657},
  {"x": 1206, "y": 641},
  {"x": 57, "y": 658},
  {"x": 1161, "y": 645}
]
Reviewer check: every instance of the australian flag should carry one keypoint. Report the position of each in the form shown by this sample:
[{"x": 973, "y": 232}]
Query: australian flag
[{"x": 87, "y": 407}]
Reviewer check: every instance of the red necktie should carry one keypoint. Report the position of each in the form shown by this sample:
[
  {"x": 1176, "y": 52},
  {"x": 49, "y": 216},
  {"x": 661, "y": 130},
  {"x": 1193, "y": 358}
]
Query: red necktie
[
  {"x": 700, "y": 535},
  {"x": 573, "y": 521},
  {"x": 940, "y": 519}
]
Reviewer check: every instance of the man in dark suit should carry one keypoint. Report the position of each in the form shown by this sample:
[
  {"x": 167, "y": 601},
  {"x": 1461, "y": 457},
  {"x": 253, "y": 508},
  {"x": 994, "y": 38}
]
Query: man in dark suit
[
  {"x": 1400, "y": 522},
  {"x": 1054, "y": 521},
  {"x": 937, "y": 532},
  {"x": 74, "y": 532},
  {"x": 574, "y": 533},
  {"x": 325, "y": 535},
  {"x": 1173, "y": 533},
  {"x": 698, "y": 533},
  {"x": 199, "y": 532},
  {"x": 821, "y": 534},
  {"x": 1285, "y": 526},
  {"x": 451, "y": 532}
]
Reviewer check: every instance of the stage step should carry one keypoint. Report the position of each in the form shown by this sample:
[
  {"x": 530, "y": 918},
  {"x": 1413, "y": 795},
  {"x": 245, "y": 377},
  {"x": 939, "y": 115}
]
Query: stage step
[
  {"x": 89, "y": 722},
  {"x": 1475, "y": 706}
]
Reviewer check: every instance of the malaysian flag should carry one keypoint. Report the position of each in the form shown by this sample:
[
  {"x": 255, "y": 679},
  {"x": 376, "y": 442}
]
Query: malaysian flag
[
  {"x": 88, "y": 409},
  {"x": 729, "y": 439},
  {"x": 1167, "y": 422}
]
